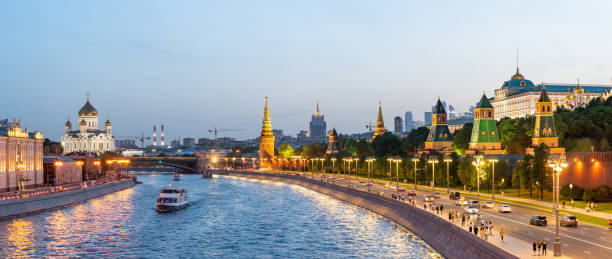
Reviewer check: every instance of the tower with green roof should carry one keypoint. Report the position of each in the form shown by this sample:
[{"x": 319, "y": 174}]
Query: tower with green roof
[
  {"x": 439, "y": 138},
  {"x": 544, "y": 130},
  {"x": 485, "y": 137}
]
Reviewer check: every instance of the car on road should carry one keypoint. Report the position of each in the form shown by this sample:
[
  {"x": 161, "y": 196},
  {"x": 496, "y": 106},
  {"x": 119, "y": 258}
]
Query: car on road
[
  {"x": 505, "y": 208},
  {"x": 569, "y": 221},
  {"x": 298, "y": 173},
  {"x": 471, "y": 209},
  {"x": 488, "y": 205},
  {"x": 436, "y": 195},
  {"x": 369, "y": 183},
  {"x": 428, "y": 198},
  {"x": 412, "y": 193},
  {"x": 464, "y": 203},
  {"x": 538, "y": 220},
  {"x": 401, "y": 189},
  {"x": 475, "y": 203},
  {"x": 454, "y": 196}
]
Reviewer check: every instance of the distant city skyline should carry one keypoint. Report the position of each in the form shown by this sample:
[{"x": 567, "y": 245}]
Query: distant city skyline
[{"x": 193, "y": 66}]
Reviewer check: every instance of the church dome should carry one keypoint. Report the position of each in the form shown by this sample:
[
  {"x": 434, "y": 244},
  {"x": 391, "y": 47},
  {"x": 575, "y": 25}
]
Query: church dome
[
  {"x": 68, "y": 124},
  {"x": 88, "y": 110},
  {"x": 107, "y": 123},
  {"x": 517, "y": 81}
]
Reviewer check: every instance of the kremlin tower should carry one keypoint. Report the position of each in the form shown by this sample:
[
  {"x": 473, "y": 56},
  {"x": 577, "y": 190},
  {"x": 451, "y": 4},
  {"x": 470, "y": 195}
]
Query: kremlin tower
[
  {"x": 439, "y": 138},
  {"x": 544, "y": 130},
  {"x": 485, "y": 137},
  {"x": 380, "y": 123},
  {"x": 333, "y": 146},
  {"x": 266, "y": 140}
]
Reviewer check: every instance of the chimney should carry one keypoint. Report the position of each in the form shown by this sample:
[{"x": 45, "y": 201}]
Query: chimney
[
  {"x": 162, "y": 135},
  {"x": 154, "y": 135}
]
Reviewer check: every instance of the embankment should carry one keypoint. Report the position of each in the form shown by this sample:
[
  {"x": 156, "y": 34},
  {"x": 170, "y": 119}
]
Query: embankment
[
  {"x": 446, "y": 238},
  {"x": 16, "y": 207}
]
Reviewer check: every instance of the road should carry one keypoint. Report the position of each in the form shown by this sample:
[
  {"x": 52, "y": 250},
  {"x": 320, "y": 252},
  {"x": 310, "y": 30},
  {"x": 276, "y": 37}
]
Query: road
[{"x": 585, "y": 241}]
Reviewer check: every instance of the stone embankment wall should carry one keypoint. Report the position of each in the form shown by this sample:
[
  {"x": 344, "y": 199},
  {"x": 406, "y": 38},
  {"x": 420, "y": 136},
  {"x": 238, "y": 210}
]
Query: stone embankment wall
[
  {"x": 16, "y": 207},
  {"x": 446, "y": 238}
]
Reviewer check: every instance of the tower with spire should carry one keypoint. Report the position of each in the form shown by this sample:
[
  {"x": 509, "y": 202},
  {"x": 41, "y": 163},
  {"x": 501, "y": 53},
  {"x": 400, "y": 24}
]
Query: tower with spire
[
  {"x": 485, "y": 137},
  {"x": 317, "y": 129},
  {"x": 266, "y": 140},
  {"x": 380, "y": 123},
  {"x": 333, "y": 146},
  {"x": 439, "y": 139},
  {"x": 544, "y": 130}
]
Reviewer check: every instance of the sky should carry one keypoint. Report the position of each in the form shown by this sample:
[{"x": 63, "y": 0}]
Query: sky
[{"x": 195, "y": 65}]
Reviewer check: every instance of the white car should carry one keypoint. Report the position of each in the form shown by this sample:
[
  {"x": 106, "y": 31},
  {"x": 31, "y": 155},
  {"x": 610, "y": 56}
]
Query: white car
[
  {"x": 489, "y": 204},
  {"x": 505, "y": 208},
  {"x": 471, "y": 210},
  {"x": 460, "y": 203},
  {"x": 436, "y": 195},
  {"x": 428, "y": 198}
]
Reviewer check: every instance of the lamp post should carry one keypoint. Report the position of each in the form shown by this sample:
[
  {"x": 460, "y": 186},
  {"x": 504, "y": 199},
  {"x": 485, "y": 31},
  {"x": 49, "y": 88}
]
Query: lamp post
[
  {"x": 415, "y": 160},
  {"x": 349, "y": 160},
  {"x": 397, "y": 161},
  {"x": 369, "y": 160},
  {"x": 243, "y": 165},
  {"x": 478, "y": 161},
  {"x": 448, "y": 175},
  {"x": 571, "y": 196},
  {"x": 333, "y": 159},
  {"x": 390, "y": 160},
  {"x": 233, "y": 160},
  {"x": 493, "y": 161},
  {"x": 557, "y": 165},
  {"x": 433, "y": 163}
]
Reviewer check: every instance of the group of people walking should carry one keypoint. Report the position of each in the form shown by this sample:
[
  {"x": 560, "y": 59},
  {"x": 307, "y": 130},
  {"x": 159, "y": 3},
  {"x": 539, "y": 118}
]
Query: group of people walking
[{"x": 540, "y": 247}]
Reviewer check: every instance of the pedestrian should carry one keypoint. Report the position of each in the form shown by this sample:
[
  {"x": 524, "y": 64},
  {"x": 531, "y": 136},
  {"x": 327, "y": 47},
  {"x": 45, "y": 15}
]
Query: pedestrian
[
  {"x": 543, "y": 247},
  {"x": 470, "y": 228},
  {"x": 463, "y": 220},
  {"x": 449, "y": 216},
  {"x": 441, "y": 208},
  {"x": 563, "y": 205},
  {"x": 491, "y": 228},
  {"x": 534, "y": 247},
  {"x": 475, "y": 230},
  {"x": 437, "y": 210},
  {"x": 539, "y": 247},
  {"x": 486, "y": 235},
  {"x": 572, "y": 203},
  {"x": 501, "y": 234}
]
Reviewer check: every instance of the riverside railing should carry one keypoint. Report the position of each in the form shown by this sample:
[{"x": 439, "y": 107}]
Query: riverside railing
[{"x": 53, "y": 189}]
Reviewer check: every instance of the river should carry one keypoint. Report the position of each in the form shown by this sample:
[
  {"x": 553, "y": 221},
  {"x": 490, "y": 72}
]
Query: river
[{"x": 228, "y": 218}]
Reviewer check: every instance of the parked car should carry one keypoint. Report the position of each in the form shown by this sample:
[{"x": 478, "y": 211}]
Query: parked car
[
  {"x": 471, "y": 209},
  {"x": 401, "y": 189},
  {"x": 454, "y": 196},
  {"x": 538, "y": 220},
  {"x": 504, "y": 209},
  {"x": 488, "y": 205},
  {"x": 569, "y": 221},
  {"x": 464, "y": 203},
  {"x": 428, "y": 198},
  {"x": 436, "y": 195},
  {"x": 412, "y": 193}
]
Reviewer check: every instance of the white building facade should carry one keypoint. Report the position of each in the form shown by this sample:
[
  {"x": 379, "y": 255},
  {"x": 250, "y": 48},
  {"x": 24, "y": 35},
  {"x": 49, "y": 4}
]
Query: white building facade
[
  {"x": 21, "y": 158},
  {"x": 518, "y": 96},
  {"x": 88, "y": 138}
]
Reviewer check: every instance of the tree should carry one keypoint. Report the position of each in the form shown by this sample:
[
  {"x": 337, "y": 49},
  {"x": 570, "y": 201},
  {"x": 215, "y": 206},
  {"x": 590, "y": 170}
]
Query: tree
[
  {"x": 313, "y": 150},
  {"x": 286, "y": 151},
  {"x": 388, "y": 145},
  {"x": 540, "y": 169},
  {"x": 466, "y": 171},
  {"x": 516, "y": 178},
  {"x": 526, "y": 175},
  {"x": 582, "y": 145},
  {"x": 416, "y": 138},
  {"x": 604, "y": 145},
  {"x": 461, "y": 139}
]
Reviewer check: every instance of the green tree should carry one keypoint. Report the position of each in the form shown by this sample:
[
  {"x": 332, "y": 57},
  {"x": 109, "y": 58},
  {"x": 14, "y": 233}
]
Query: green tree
[
  {"x": 461, "y": 139},
  {"x": 604, "y": 145},
  {"x": 286, "y": 151},
  {"x": 466, "y": 171},
  {"x": 516, "y": 178},
  {"x": 416, "y": 139},
  {"x": 540, "y": 169},
  {"x": 526, "y": 176},
  {"x": 582, "y": 145},
  {"x": 388, "y": 145}
]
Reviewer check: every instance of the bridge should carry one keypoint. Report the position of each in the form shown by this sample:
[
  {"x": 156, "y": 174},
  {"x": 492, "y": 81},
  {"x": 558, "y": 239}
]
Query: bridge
[{"x": 188, "y": 164}]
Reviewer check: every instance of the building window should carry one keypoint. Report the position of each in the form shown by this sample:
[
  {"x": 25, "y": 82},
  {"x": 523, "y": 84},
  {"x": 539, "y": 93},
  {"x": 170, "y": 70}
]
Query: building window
[{"x": 483, "y": 134}]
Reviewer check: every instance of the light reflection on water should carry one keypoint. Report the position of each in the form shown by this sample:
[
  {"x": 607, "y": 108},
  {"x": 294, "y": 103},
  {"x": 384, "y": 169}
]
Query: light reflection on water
[{"x": 229, "y": 217}]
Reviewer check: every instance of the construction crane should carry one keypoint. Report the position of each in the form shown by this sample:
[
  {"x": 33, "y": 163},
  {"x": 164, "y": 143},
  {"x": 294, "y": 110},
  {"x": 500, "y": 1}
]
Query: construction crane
[
  {"x": 142, "y": 139},
  {"x": 216, "y": 131},
  {"x": 369, "y": 126}
]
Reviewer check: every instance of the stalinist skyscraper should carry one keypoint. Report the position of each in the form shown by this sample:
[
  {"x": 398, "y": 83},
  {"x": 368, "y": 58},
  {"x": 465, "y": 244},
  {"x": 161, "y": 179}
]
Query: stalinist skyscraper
[{"x": 266, "y": 140}]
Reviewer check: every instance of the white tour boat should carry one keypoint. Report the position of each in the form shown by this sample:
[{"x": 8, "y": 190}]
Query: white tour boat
[{"x": 172, "y": 199}]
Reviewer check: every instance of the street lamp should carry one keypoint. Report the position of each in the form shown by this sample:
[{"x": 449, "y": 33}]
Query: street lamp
[
  {"x": 415, "y": 160},
  {"x": 478, "y": 161},
  {"x": 557, "y": 165},
  {"x": 493, "y": 161},
  {"x": 571, "y": 196},
  {"x": 243, "y": 165},
  {"x": 433, "y": 163},
  {"x": 397, "y": 161},
  {"x": 333, "y": 159},
  {"x": 390, "y": 160},
  {"x": 349, "y": 160},
  {"x": 369, "y": 160},
  {"x": 233, "y": 160},
  {"x": 447, "y": 175}
]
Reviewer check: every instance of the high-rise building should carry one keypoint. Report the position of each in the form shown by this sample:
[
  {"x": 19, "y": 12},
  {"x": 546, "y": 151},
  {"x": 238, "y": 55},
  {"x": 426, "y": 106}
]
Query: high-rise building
[
  {"x": 89, "y": 138},
  {"x": 317, "y": 129},
  {"x": 21, "y": 158},
  {"x": 189, "y": 142},
  {"x": 333, "y": 146},
  {"x": 266, "y": 140},
  {"x": 398, "y": 124},
  {"x": 408, "y": 121},
  {"x": 439, "y": 138},
  {"x": 485, "y": 137},
  {"x": 427, "y": 118},
  {"x": 380, "y": 123}
]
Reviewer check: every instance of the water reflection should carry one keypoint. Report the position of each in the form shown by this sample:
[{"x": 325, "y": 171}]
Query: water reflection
[{"x": 229, "y": 217}]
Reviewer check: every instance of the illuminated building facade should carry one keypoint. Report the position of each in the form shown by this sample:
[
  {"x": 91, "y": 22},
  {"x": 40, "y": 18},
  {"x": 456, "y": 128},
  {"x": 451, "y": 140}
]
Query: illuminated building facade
[
  {"x": 380, "y": 123},
  {"x": 485, "y": 137},
  {"x": 439, "y": 138},
  {"x": 88, "y": 138},
  {"x": 266, "y": 140},
  {"x": 333, "y": 146},
  {"x": 21, "y": 158},
  {"x": 518, "y": 96}
]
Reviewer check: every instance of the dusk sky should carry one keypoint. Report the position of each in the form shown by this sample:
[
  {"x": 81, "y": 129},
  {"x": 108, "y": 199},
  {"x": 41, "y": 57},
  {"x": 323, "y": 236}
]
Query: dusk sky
[{"x": 194, "y": 65}]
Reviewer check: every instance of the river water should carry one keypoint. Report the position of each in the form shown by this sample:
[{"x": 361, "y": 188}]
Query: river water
[{"x": 229, "y": 218}]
